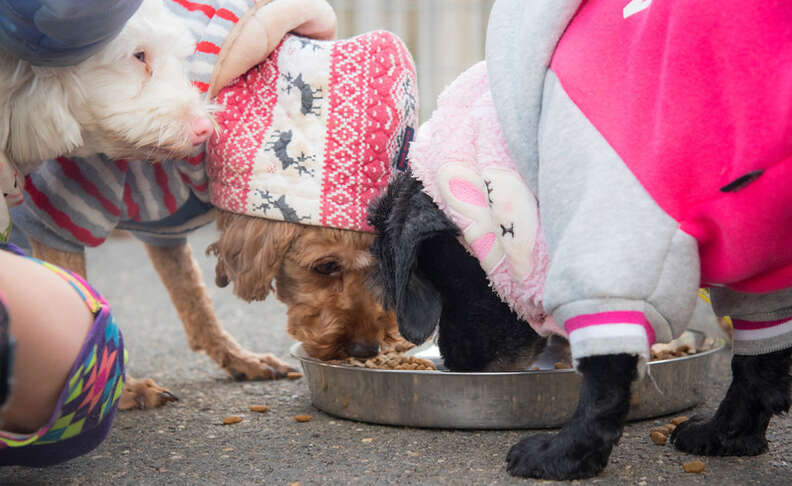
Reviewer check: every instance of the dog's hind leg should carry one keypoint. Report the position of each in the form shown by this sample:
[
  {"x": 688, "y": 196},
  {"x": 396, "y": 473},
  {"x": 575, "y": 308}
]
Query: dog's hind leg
[
  {"x": 137, "y": 393},
  {"x": 181, "y": 276},
  {"x": 582, "y": 447},
  {"x": 760, "y": 388},
  {"x": 760, "y": 384},
  {"x": 71, "y": 261}
]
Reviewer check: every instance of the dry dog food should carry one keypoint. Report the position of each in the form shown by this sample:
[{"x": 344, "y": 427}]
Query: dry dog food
[
  {"x": 696, "y": 467},
  {"x": 303, "y": 418},
  {"x": 389, "y": 360},
  {"x": 232, "y": 419},
  {"x": 658, "y": 437},
  {"x": 293, "y": 375},
  {"x": 678, "y": 420},
  {"x": 259, "y": 408},
  {"x": 684, "y": 345}
]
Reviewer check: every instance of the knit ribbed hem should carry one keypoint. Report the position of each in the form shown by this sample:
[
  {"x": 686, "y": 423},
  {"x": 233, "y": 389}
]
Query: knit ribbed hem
[
  {"x": 611, "y": 332},
  {"x": 761, "y": 337}
]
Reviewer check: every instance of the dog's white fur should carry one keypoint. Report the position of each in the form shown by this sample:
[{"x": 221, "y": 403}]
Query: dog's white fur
[{"x": 130, "y": 100}]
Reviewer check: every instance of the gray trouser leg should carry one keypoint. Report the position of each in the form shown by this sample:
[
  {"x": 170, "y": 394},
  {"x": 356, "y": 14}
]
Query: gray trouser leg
[{"x": 762, "y": 322}]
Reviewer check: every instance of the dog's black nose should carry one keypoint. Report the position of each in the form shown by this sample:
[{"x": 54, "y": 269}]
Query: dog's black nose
[{"x": 362, "y": 350}]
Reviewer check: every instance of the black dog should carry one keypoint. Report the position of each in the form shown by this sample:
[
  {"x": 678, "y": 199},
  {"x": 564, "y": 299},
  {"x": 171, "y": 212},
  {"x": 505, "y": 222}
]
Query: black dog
[{"x": 430, "y": 280}]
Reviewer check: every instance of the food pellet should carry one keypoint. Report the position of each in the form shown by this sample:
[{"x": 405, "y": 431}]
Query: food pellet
[
  {"x": 658, "y": 438},
  {"x": 258, "y": 408},
  {"x": 389, "y": 360},
  {"x": 669, "y": 428},
  {"x": 678, "y": 420},
  {"x": 294, "y": 375},
  {"x": 303, "y": 418},
  {"x": 696, "y": 467},
  {"x": 367, "y": 440},
  {"x": 561, "y": 366},
  {"x": 232, "y": 419}
]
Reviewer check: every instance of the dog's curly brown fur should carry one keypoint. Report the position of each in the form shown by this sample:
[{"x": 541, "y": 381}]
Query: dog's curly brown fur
[{"x": 322, "y": 274}]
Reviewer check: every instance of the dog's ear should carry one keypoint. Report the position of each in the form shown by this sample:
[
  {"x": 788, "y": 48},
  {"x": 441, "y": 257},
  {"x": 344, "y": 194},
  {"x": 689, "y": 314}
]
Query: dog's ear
[
  {"x": 249, "y": 253},
  {"x": 37, "y": 120},
  {"x": 405, "y": 218}
]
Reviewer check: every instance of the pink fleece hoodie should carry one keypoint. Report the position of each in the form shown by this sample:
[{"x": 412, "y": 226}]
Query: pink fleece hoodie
[
  {"x": 706, "y": 126},
  {"x": 460, "y": 156}
]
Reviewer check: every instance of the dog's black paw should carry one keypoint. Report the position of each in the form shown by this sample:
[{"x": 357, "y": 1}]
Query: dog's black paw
[
  {"x": 713, "y": 438},
  {"x": 553, "y": 457}
]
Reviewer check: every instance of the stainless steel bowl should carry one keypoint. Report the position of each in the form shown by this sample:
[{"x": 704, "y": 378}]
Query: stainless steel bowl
[{"x": 513, "y": 400}]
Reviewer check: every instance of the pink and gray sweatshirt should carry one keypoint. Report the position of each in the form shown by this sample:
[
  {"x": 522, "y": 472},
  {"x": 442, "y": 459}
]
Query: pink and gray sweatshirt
[{"x": 657, "y": 138}]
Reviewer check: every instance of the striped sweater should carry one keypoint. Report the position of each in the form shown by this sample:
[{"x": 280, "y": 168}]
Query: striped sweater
[{"x": 72, "y": 203}]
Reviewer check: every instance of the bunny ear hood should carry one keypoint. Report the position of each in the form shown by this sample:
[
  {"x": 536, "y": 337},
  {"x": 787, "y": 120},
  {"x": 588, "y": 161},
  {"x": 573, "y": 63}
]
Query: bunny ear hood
[
  {"x": 461, "y": 157},
  {"x": 262, "y": 28}
]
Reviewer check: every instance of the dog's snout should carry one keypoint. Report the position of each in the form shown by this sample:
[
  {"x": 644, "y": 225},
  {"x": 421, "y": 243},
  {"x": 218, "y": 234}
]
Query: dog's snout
[
  {"x": 363, "y": 350},
  {"x": 201, "y": 130}
]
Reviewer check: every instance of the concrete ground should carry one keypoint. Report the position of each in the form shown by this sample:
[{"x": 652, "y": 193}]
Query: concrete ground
[{"x": 183, "y": 443}]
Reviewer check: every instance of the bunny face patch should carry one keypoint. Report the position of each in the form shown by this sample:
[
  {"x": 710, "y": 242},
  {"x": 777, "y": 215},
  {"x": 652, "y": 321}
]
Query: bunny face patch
[{"x": 496, "y": 213}]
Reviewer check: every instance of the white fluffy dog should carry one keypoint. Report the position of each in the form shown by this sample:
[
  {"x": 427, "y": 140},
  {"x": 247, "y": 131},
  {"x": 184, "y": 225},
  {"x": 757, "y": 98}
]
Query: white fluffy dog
[{"x": 130, "y": 100}]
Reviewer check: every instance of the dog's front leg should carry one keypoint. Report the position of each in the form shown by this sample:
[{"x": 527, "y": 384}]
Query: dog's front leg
[
  {"x": 582, "y": 447},
  {"x": 182, "y": 277},
  {"x": 759, "y": 389}
]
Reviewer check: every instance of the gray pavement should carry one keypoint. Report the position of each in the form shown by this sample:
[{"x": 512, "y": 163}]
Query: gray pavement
[{"x": 183, "y": 443}]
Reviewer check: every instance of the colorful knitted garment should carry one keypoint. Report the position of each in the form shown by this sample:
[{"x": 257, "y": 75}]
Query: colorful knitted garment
[
  {"x": 311, "y": 134},
  {"x": 88, "y": 402}
]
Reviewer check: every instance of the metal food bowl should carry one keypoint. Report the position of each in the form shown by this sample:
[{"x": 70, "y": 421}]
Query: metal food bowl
[{"x": 505, "y": 400}]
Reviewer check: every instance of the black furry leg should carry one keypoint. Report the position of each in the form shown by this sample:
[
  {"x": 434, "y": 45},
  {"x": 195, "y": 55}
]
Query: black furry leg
[
  {"x": 759, "y": 389},
  {"x": 582, "y": 447}
]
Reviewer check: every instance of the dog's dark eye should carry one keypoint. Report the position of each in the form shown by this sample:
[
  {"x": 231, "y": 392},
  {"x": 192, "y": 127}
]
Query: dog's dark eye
[
  {"x": 140, "y": 56},
  {"x": 327, "y": 268}
]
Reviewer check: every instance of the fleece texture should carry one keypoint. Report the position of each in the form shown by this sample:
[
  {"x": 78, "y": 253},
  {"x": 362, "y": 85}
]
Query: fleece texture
[
  {"x": 655, "y": 174},
  {"x": 462, "y": 160}
]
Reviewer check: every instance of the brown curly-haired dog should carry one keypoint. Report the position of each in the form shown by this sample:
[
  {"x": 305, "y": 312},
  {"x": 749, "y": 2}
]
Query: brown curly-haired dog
[{"x": 322, "y": 274}]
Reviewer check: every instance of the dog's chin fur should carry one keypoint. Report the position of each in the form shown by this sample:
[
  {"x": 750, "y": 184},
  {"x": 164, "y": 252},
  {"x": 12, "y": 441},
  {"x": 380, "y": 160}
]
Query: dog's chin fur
[
  {"x": 95, "y": 106},
  {"x": 334, "y": 312}
]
